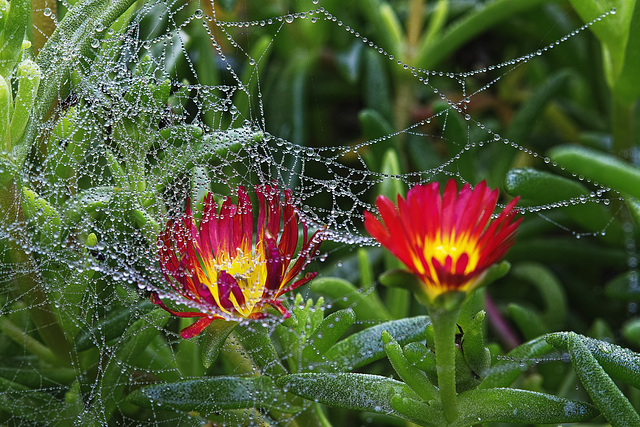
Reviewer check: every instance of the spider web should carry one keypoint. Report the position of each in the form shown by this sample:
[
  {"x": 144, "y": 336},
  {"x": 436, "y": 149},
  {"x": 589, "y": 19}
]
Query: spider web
[{"x": 140, "y": 127}]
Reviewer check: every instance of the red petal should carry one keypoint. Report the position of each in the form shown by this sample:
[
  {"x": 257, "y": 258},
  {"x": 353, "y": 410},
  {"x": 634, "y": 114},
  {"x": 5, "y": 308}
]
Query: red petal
[
  {"x": 157, "y": 301},
  {"x": 227, "y": 285},
  {"x": 275, "y": 266},
  {"x": 196, "y": 328}
]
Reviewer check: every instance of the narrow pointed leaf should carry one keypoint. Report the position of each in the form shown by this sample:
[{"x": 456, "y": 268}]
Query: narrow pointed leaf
[
  {"x": 604, "y": 168},
  {"x": 520, "y": 406},
  {"x": 503, "y": 373},
  {"x": 327, "y": 333},
  {"x": 412, "y": 376},
  {"x": 615, "y": 407},
  {"x": 366, "y": 346},
  {"x": 213, "y": 338},
  {"x": 621, "y": 363},
  {"x": 212, "y": 394},
  {"x": 361, "y": 392}
]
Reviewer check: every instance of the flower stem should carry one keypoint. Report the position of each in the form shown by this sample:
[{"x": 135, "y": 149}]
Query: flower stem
[{"x": 444, "y": 330}]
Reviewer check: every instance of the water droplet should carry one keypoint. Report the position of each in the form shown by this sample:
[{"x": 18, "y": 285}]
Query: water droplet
[
  {"x": 198, "y": 13},
  {"x": 46, "y": 11},
  {"x": 289, "y": 18}
]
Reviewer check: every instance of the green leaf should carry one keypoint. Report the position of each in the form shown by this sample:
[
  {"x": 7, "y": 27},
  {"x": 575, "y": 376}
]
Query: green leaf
[
  {"x": 570, "y": 250},
  {"x": 6, "y": 104},
  {"x": 607, "y": 397},
  {"x": 346, "y": 294},
  {"x": 134, "y": 341},
  {"x": 36, "y": 376},
  {"x": 110, "y": 327},
  {"x": 13, "y": 34},
  {"x": 29, "y": 77},
  {"x": 631, "y": 331},
  {"x": 25, "y": 403},
  {"x": 376, "y": 128},
  {"x": 418, "y": 411},
  {"x": 361, "y": 392},
  {"x": 619, "y": 36},
  {"x": 627, "y": 85},
  {"x": 412, "y": 376},
  {"x": 477, "y": 356},
  {"x": 292, "y": 334},
  {"x": 624, "y": 287},
  {"x": 544, "y": 188},
  {"x": 392, "y": 185},
  {"x": 434, "y": 50},
  {"x": 508, "y": 405},
  {"x": 256, "y": 341},
  {"x": 621, "y": 363},
  {"x": 327, "y": 334},
  {"x": 377, "y": 97},
  {"x": 551, "y": 290},
  {"x": 606, "y": 169},
  {"x": 422, "y": 358},
  {"x": 366, "y": 346},
  {"x": 529, "y": 322},
  {"x": 213, "y": 394},
  {"x": 213, "y": 338},
  {"x": 505, "y": 372},
  {"x": 76, "y": 29},
  {"x": 381, "y": 15}
]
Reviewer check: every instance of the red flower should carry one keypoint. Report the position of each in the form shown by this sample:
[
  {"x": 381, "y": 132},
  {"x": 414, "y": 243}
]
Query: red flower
[
  {"x": 447, "y": 241},
  {"x": 215, "y": 265}
]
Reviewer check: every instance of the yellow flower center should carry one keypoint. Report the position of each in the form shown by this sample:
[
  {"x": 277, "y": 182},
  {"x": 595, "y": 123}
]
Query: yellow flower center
[
  {"x": 453, "y": 246},
  {"x": 248, "y": 269}
]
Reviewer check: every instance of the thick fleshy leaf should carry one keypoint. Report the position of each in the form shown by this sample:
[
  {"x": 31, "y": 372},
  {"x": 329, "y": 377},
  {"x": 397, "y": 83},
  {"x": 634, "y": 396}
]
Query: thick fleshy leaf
[
  {"x": 541, "y": 188},
  {"x": 477, "y": 356},
  {"x": 213, "y": 394},
  {"x": 256, "y": 341},
  {"x": 621, "y": 363},
  {"x": 366, "y": 346},
  {"x": 327, "y": 333},
  {"x": 604, "y": 168},
  {"x": 361, "y": 392},
  {"x": 503, "y": 373},
  {"x": 213, "y": 338},
  {"x": 615, "y": 407},
  {"x": 520, "y": 406},
  {"x": 412, "y": 376}
]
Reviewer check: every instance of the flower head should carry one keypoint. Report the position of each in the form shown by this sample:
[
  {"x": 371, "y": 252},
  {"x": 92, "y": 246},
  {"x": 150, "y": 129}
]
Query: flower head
[
  {"x": 447, "y": 241},
  {"x": 214, "y": 263}
]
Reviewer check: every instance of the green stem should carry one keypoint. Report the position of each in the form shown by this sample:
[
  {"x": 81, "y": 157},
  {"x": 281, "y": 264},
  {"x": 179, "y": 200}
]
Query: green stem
[
  {"x": 29, "y": 343},
  {"x": 622, "y": 127},
  {"x": 444, "y": 330}
]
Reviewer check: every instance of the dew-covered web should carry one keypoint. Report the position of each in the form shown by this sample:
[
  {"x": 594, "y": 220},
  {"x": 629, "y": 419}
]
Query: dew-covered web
[{"x": 162, "y": 108}]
